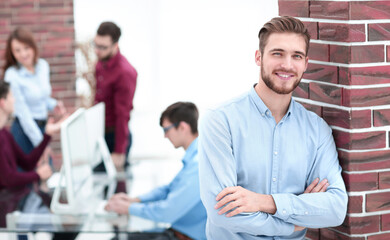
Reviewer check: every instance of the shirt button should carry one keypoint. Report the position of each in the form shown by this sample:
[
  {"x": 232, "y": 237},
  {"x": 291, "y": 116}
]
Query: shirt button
[
  {"x": 262, "y": 114},
  {"x": 276, "y": 153},
  {"x": 284, "y": 212},
  {"x": 306, "y": 212},
  {"x": 274, "y": 179}
]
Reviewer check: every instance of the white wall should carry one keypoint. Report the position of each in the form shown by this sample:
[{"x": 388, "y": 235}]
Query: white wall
[{"x": 200, "y": 51}]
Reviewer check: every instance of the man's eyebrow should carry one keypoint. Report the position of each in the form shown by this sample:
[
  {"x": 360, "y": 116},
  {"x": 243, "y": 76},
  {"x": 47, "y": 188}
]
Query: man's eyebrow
[
  {"x": 299, "y": 52},
  {"x": 282, "y": 50},
  {"x": 277, "y": 50}
]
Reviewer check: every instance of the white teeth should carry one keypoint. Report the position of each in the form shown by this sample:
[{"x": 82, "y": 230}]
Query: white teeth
[{"x": 284, "y": 75}]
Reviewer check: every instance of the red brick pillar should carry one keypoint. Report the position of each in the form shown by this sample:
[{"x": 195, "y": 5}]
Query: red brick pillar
[
  {"x": 348, "y": 84},
  {"x": 51, "y": 22}
]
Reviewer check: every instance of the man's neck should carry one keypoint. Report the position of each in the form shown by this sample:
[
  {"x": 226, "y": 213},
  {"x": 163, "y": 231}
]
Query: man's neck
[
  {"x": 189, "y": 140},
  {"x": 3, "y": 119},
  {"x": 277, "y": 103}
]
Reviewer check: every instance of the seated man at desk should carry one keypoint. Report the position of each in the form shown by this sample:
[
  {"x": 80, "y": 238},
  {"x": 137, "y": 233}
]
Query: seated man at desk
[{"x": 177, "y": 203}]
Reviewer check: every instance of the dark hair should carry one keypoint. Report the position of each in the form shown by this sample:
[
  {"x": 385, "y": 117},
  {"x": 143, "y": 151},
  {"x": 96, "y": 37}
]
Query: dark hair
[
  {"x": 111, "y": 29},
  {"x": 282, "y": 25},
  {"x": 4, "y": 89},
  {"x": 182, "y": 111},
  {"x": 22, "y": 35}
]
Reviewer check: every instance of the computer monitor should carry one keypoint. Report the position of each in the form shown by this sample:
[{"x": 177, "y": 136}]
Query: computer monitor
[{"x": 83, "y": 147}]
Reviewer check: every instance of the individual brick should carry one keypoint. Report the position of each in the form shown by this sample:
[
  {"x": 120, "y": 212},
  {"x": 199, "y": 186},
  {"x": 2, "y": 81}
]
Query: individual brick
[
  {"x": 364, "y": 75},
  {"x": 347, "y": 119},
  {"x": 322, "y": 73},
  {"x": 357, "y": 54},
  {"x": 379, "y": 32},
  {"x": 328, "y": 234},
  {"x": 294, "y": 8},
  {"x": 361, "y": 10},
  {"x": 319, "y": 52},
  {"x": 385, "y": 222},
  {"x": 381, "y": 236},
  {"x": 365, "y": 97},
  {"x": 355, "y": 204},
  {"x": 363, "y": 161},
  {"x": 381, "y": 117},
  {"x": 360, "y": 225},
  {"x": 325, "y": 93},
  {"x": 312, "y": 28},
  {"x": 361, "y": 181},
  {"x": 384, "y": 180},
  {"x": 378, "y": 201},
  {"x": 329, "y": 10},
  {"x": 342, "y": 32},
  {"x": 360, "y": 141}
]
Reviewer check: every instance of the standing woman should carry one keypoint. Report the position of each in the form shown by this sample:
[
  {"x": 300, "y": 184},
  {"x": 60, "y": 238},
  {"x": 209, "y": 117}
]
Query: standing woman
[{"x": 29, "y": 77}]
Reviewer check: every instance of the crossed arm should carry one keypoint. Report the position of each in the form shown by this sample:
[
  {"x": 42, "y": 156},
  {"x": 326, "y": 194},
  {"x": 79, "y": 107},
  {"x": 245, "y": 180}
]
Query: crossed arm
[{"x": 238, "y": 200}]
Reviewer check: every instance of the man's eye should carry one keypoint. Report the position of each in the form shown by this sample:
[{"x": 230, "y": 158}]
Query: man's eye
[
  {"x": 277, "y": 54},
  {"x": 298, "y": 56}
]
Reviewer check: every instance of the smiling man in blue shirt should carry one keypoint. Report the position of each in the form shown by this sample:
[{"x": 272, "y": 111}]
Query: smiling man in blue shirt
[
  {"x": 261, "y": 154},
  {"x": 177, "y": 203}
]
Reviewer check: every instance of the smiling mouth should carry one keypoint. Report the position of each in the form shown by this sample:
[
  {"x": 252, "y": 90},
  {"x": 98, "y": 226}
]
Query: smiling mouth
[{"x": 285, "y": 76}]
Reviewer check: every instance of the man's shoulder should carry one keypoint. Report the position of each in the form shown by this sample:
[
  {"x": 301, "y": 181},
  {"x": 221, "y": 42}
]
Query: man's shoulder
[
  {"x": 233, "y": 104},
  {"x": 125, "y": 66},
  {"x": 309, "y": 117}
]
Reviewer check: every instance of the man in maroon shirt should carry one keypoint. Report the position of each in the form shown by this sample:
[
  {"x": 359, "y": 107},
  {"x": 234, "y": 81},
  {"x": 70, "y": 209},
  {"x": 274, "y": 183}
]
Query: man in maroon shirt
[{"x": 115, "y": 86}]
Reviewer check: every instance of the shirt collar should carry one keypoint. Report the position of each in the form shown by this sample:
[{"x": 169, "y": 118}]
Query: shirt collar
[
  {"x": 24, "y": 72},
  {"x": 112, "y": 61},
  {"x": 263, "y": 109},
  {"x": 191, "y": 150}
]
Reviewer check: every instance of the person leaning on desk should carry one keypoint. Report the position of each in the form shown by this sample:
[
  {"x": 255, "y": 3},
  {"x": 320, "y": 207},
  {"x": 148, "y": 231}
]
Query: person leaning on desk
[
  {"x": 12, "y": 156},
  {"x": 177, "y": 203}
]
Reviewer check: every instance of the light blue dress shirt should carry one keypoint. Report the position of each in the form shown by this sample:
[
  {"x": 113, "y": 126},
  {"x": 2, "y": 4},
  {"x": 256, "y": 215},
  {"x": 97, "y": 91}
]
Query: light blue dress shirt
[
  {"x": 177, "y": 203},
  {"x": 32, "y": 97},
  {"x": 240, "y": 144}
]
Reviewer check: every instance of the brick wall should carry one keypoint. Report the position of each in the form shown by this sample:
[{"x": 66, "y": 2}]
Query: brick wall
[
  {"x": 51, "y": 22},
  {"x": 348, "y": 84}
]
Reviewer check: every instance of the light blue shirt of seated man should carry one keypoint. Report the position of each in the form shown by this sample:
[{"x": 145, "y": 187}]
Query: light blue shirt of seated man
[
  {"x": 32, "y": 97},
  {"x": 240, "y": 144},
  {"x": 177, "y": 203}
]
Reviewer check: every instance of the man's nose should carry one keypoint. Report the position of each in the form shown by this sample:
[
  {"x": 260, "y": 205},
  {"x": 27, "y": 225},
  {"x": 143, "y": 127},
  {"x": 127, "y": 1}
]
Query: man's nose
[{"x": 287, "y": 63}]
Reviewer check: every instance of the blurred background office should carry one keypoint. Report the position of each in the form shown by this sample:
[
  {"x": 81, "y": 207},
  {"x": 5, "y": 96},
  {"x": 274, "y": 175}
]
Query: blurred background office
[{"x": 200, "y": 51}]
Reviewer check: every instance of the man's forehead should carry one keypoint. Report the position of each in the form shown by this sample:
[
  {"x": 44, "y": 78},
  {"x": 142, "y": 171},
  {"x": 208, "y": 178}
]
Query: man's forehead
[
  {"x": 103, "y": 38},
  {"x": 291, "y": 42}
]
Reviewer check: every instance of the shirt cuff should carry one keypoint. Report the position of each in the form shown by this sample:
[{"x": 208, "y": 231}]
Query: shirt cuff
[
  {"x": 284, "y": 208},
  {"x": 136, "y": 209}
]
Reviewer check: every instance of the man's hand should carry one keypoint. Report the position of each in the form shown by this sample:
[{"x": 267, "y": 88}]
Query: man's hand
[
  {"x": 316, "y": 187},
  {"x": 243, "y": 200},
  {"x": 44, "y": 171},
  {"x": 120, "y": 203},
  {"x": 53, "y": 127},
  {"x": 119, "y": 160},
  {"x": 60, "y": 109}
]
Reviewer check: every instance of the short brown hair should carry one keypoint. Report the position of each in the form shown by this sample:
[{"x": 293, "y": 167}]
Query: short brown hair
[
  {"x": 110, "y": 29},
  {"x": 22, "y": 35},
  {"x": 282, "y": 25},
  {"x": 182, "y": 111}
]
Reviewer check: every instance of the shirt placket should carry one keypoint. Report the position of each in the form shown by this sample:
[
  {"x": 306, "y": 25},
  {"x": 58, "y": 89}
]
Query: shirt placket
[{"x": 275, "y": 154}]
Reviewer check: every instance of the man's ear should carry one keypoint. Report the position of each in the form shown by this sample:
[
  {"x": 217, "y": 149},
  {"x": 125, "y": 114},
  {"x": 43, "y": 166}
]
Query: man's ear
[
  {"x": 258, "y": 58},
  {"x": 183, "y": 125}
]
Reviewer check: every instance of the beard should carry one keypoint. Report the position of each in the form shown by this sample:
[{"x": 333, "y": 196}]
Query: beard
[
  {"x": 107, "y": 57},
  {"x": 271, "y": 85}
]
